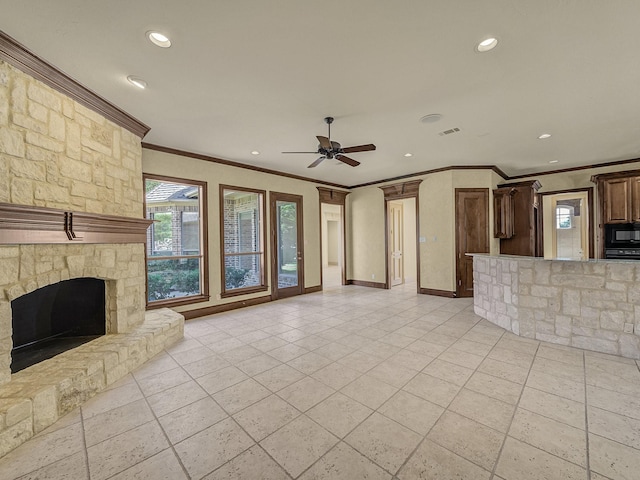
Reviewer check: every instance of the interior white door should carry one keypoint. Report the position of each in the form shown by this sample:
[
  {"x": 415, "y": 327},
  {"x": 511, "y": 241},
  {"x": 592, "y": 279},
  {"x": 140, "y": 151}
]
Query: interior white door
[{"x": 396, "y": 241}]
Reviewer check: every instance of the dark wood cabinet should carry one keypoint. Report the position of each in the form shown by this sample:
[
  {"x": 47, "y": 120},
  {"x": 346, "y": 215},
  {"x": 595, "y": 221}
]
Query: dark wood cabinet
[
  {"x": 503, "y": 212},
  {"x": 617, "y": 200},
  {"x": 516, "y": 218},
  {"x": 619, "y": 195},
  {"x": 635, "y": 199}
]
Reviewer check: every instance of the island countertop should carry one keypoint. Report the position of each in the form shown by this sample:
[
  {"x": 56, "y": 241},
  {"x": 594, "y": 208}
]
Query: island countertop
[{"x": 592, "y": 304}]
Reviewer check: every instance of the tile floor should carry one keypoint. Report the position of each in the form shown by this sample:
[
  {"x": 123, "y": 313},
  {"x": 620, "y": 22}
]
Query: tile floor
[{"x": 352, "y": 383}]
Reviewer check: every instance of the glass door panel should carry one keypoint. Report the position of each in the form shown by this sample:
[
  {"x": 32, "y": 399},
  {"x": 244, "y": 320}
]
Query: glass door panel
[{"x": 287, "y": 245}]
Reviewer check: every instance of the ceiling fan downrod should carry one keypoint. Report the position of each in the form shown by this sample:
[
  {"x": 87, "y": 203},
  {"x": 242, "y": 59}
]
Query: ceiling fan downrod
[{"x": 329, "y": 121}]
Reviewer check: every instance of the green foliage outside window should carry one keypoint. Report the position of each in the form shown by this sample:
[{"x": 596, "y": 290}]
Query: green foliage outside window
[
  {"x": 235, "y": 277},
  {"x": 172, "y": 278}
]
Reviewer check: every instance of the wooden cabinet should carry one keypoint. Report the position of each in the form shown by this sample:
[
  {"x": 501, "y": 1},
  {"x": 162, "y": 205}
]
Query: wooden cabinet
[
  {"x": 516, "y": 218},
  {"x": 635, "y": 198},
  {"x": 617, "y": 200},
  {"x": 503, "y": 212},
  {"x": 619, "y": 196}
]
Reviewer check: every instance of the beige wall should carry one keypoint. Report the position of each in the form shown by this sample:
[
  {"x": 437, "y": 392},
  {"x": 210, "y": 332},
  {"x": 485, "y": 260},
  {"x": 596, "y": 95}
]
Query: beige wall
[
  {"x": 365, "y": 227},
  {"x": 365, "y": 220},
  {"x": 365, "y": 235},
  {"x": 331, "y": 245},
  {"x": 159, "y": 163},
  {"x": 409, "y": 239},
  {"x": 365, "y": 239}
]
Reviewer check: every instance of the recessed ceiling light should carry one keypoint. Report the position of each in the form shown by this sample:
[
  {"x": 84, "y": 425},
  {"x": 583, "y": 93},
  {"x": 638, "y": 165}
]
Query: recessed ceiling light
[
  {"x": 431, "y": 118},
  {"x": 554, "y": 161},
  {"x": 408, "y": 154},
  {"x": 137, "y": 81},
  {"x": 159, "y": 39},
  {"x": 487, "y": 44},
  {"x": 255, "y": 152},
  {"x": 544, "y": 135}
]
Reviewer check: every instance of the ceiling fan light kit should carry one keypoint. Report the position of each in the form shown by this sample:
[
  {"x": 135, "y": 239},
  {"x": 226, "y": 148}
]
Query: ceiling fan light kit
[{"x": 329, "y": 149}]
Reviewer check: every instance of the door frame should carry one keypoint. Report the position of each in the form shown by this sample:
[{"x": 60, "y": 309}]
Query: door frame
[
  {"x": 592, "y": 227},
  {"x": 334, "y": 197},
  {"x": 458, "y": 254},
  {"x": 276, "y": 292},
  {"x": 400, "y": 191}
]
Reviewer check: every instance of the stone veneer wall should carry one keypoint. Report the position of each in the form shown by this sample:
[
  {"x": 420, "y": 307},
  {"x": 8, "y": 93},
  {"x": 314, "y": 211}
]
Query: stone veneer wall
[
  {"x": 56, "y": 153},
  {"x": 593, "y": 305}
]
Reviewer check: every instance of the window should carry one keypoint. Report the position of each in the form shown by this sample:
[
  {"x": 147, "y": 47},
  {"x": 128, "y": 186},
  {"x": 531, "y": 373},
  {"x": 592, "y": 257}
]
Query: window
[
  {"x": 563, "y": 217},
  {"x": 176, "y": 241},
  {"x": 242, "y": 217}
]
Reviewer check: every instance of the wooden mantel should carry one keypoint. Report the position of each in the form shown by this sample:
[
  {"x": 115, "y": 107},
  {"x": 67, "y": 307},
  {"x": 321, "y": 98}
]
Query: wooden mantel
[{"x": 22, "y": 224}]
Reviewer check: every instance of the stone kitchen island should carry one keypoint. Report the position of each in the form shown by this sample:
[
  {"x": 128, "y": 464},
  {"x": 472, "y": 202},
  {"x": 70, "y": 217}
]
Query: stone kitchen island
[{"x": 592, "y": 304}]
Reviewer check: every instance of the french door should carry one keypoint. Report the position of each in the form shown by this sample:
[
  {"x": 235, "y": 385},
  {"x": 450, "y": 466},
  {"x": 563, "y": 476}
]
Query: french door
[{"x": 287, "y": 245}]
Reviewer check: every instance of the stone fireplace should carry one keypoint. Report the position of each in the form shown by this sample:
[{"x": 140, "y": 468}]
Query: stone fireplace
[
  {"x": 120, "y": 266},
  {"x": 71, "y": 207},
  {"x": 56, "y": 318}
]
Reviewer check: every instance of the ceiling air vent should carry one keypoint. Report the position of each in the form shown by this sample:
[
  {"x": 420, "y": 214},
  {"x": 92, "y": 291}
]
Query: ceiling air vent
[{"x": 450, "y": 131}]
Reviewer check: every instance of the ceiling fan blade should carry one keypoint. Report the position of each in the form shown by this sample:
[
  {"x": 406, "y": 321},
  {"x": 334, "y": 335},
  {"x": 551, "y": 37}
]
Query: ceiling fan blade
[
  {"x": 347, "y": 160},
  {"x": 317, "y": 162},
  {"x": 324, "y": 142},
  {"x": 299, "y": 152},
  {"x": 359, "y": 148}
]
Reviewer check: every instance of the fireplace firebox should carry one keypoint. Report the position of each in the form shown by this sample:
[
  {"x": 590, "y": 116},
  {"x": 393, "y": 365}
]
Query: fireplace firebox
[{"x": 56, "y": 318}]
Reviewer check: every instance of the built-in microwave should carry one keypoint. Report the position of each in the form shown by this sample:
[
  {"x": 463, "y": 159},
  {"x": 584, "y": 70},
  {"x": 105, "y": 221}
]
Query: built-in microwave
[{"x": 621, "y": 235}]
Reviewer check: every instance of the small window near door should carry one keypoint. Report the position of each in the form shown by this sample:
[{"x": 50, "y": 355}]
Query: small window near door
[
  {"x": 242, "y": 217},
  {"x": 176, "y": 246},
  {"x": 563, "y": 217}
]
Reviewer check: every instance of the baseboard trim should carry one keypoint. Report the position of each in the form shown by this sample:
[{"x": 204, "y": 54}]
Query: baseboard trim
[
  {"x": 438, "y": 293},
  {"x": 364, "y": 283},
  {"x": 225, "y": 307}
]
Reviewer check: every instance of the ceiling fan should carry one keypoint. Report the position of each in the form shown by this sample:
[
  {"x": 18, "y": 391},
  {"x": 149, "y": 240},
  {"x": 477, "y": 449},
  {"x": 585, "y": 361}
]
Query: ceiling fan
[{"x": 329, "y": 149}]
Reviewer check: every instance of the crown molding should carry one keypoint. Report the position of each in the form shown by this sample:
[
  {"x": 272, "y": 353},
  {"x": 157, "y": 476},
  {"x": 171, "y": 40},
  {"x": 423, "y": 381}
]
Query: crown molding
[
  {"x": 207, "y": 158},
  {"x": 14, "y": 53},
  {"x": 435, "y": 170}
]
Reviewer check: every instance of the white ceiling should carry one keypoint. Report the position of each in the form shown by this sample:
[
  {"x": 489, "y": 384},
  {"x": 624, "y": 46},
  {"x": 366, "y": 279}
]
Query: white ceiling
[{"x": 247, "y": 75}]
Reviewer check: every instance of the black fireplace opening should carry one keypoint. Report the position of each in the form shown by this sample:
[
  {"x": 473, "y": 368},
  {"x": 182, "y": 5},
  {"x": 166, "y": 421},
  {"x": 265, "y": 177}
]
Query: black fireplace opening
[{"x": 56, "y": 318}]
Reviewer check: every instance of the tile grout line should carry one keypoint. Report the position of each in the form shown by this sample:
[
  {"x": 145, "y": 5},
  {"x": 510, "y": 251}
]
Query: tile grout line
[
  {"x": 446, "y": 409},
  {"x": 171, "y": 446},
  {"x": 84, "y": 443},
  {"x": 342, "y": 440},
  {"x": 515, "y": 410},
  {"x": 586, "y": 417},
  {"x": 229, "y": 416}
]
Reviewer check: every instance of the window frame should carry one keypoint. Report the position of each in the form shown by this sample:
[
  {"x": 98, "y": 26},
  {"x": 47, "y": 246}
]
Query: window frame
[
  {"x": 203, "y": 296},
  {"x": 224, "y": 293}
]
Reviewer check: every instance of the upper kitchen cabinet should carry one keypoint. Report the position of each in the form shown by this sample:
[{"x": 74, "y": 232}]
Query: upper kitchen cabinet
[
  {"x": 503, "y": 212},
  {"x": 619, "y": 195},
  {"x": 516, "y": 218}
]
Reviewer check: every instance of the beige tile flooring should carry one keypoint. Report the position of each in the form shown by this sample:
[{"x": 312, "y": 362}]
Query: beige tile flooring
[{"x": 352, "y": 383}]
